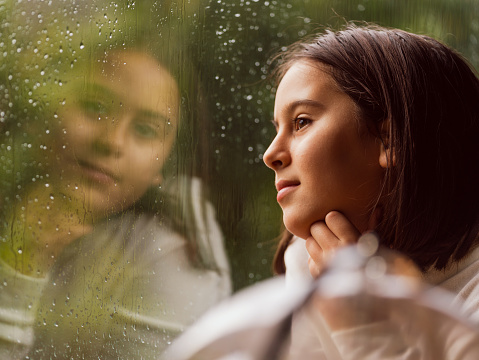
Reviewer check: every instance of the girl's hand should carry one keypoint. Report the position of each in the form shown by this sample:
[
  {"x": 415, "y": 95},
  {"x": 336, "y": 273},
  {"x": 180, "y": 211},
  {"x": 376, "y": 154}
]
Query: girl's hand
[{"x": 327, "y": 236}]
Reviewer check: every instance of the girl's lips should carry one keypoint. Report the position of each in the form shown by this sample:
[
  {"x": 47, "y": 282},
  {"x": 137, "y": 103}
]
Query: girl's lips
[
  {"x": 97, "y": 174},
  {"x": 284, "y": 187},
  {"x": 284, "y": 191}
]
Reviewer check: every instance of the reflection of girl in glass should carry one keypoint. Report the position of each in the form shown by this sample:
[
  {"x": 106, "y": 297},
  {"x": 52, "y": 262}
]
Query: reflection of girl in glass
[
  {"x": 100, "y": 257},
  {"x": 377, "y": 130}
]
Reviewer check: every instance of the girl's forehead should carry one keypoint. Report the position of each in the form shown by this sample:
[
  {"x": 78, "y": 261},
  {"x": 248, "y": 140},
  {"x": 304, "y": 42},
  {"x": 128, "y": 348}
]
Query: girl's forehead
[
  {"x": 138, "y": 80},
  {"x": 304, "y": 77},
  {"x": 309, "y": 67}
]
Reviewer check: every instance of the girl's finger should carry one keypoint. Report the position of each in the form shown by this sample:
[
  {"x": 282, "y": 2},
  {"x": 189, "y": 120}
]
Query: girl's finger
[
  {"x": 315, "y": 269},
  {"x": 342, "y": 228},
  {"x": 316, "y": 257},
  {"x": 324, "y": 236},
  {"x": 314, "y": 249}
]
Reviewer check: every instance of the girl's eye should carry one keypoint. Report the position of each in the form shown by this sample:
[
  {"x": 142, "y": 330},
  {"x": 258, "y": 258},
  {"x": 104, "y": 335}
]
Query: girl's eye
[
  {"x": 145, "y": 130},
  {"x": 300, "y": 123},
  {"x": 93, "y": 108}
]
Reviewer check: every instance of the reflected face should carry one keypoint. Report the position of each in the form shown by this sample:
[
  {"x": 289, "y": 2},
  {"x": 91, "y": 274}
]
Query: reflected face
[
  {"x": 323, "y": 156},
  {"x": 118, "y": 132}
]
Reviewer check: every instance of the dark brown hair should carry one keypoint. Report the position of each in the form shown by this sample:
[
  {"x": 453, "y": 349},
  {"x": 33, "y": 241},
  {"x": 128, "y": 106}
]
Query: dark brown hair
[{"x": 430, "y": 96}]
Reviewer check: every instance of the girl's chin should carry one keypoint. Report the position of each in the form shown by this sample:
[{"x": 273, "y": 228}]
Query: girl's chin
[{"x": 297, "y": 228}]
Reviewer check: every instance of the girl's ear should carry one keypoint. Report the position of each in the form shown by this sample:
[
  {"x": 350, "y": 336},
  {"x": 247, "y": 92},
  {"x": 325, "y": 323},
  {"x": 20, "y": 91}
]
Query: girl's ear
[{"x": 387, "y": 157}]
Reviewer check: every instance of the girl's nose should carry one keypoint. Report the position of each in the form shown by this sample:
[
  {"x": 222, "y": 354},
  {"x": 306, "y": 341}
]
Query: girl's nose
[
  {"x": 112, "y": 140},
  {"x": 277, "y": 155}
]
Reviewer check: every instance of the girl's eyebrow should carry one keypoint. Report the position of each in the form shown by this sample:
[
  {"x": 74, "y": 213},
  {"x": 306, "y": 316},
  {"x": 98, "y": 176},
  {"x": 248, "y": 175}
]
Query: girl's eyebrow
[
  {"x": 304, "y": 102},
  {"x": 147, "y": 114},
  {"x": 151, "y": 115},
  {"x": 95, "y": 89}
]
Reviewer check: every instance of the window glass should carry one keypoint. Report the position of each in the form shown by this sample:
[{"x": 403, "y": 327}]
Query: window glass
[{"x": 133, "y": 191}]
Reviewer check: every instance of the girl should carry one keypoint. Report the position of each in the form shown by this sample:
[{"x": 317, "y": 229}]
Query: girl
[{"x": 377, "y": 130}]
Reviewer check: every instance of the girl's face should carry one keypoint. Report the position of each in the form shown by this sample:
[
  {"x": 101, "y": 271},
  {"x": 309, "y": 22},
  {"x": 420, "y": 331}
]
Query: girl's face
[
  {"x": 323, "y": 156},
  {"x": 117, "y": 132}
]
